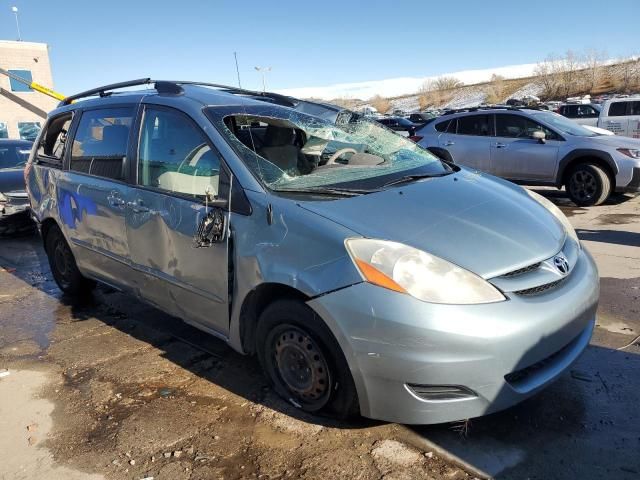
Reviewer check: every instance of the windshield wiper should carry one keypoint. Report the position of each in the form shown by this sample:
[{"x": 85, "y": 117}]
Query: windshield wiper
[
  {"x": 413, "y": 178},
  {"x": 345, "y": 192}
]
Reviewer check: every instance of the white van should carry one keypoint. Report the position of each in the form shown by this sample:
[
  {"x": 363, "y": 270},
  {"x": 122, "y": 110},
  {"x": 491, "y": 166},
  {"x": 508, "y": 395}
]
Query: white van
[{"x": 621, "y": 116}]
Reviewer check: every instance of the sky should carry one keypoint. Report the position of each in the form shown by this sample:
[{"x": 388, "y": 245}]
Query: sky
[{"x": 308, "y": 43}]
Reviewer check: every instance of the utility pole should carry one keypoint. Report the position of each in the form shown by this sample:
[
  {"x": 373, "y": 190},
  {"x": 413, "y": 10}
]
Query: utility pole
[
  {"x": 15, "y": 12},
  {"x": 235, "y": 55},
  {"x": 263, "y": 71}
]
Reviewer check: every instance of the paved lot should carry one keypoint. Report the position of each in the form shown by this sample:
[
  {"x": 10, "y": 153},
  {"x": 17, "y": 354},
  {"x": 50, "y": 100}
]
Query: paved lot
[{"x": 111, "y": 388}]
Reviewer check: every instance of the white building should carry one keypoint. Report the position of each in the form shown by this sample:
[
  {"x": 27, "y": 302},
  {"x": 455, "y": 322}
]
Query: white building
[{"x": 22, "y": 110}]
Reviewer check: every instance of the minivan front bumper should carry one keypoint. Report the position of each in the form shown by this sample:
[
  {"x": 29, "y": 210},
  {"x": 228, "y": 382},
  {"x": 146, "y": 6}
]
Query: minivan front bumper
[{"x": 477, "y": 358}]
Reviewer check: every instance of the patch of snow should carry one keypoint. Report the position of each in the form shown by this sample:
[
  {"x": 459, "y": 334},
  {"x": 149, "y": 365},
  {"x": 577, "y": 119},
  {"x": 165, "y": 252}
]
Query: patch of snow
[
  {"x": 531, "y": 89},
  {"x": 394, "y": 87}
]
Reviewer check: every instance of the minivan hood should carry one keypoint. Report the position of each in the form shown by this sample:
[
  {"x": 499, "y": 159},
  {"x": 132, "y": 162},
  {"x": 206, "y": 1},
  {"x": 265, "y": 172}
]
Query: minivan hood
[{"x": 486, "y": 225}]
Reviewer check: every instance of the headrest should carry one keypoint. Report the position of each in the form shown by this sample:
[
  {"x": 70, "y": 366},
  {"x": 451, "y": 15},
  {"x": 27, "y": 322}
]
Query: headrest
[{"x": 278, "y": 136}]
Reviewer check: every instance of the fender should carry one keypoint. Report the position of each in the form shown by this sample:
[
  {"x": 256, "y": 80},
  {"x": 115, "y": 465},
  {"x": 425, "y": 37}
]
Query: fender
[{"x": 584, "y": 152}]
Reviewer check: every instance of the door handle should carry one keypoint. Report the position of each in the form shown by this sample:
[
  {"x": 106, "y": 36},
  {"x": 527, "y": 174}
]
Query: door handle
[
  {"x": 137, "y": 207},
  {"x": 114, "y": 200},
  {"x": 449, "y": 143},
  {"x": 500, "y": 145}
]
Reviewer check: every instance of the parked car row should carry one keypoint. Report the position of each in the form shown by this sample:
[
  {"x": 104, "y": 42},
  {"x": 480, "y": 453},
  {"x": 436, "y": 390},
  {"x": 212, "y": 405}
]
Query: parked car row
[
  {"x": 14, "y": 202},
  {"x": 366, "y": 274},
  {"x": 619, "y": 115},
  {"x": 536, "y": 147}
]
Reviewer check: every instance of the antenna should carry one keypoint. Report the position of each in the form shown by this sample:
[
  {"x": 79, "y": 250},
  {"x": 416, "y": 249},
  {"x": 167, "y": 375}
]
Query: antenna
[
  {"x": 14, "y": 9},
  {"x": 235, "y": 55}
]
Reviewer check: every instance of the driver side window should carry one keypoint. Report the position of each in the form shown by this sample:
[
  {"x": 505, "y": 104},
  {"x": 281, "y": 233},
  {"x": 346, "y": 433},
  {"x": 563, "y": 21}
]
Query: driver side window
[{"x": 174, "y": 155}]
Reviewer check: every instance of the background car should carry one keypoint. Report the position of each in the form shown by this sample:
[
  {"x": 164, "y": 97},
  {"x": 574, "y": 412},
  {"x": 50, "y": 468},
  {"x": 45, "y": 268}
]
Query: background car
[
  {"x": 621, "y": 116},
  {"x": 401, "y": 125},
  {"x": 582, "y": 113},
  {"x": 421, "y": 118},
  {"x": 535, "y": 147},
  {"x": 14, "y": 202}
]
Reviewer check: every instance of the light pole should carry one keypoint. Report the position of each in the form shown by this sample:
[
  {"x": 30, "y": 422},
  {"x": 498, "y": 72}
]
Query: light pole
[
  {"x": 264, "y": 71},
  {"x": 15, "y": 12}
]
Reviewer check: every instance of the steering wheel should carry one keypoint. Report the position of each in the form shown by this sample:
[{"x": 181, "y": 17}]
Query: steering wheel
[
  {"x": 339, "y": 153},
  {"x": 189, "y": 157}
]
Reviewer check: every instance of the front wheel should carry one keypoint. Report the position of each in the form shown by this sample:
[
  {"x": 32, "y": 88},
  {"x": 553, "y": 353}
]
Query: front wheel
[
  {"x": 588, "y": 185},
  {"x": 303, "y": 361},
  {"x": 63, "y": 265}
]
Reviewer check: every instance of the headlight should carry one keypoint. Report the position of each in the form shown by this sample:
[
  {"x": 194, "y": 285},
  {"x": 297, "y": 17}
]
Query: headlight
[
  {"x": 3, "y": 198},
  {"x": 556, "y": 212},
  {"x": 426, "y": 277},
  {"x": 630, "y": 152}
]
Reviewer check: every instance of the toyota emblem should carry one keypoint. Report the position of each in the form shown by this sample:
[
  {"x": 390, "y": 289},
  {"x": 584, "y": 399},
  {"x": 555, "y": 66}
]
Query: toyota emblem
[{"x": 561, "y": 263}]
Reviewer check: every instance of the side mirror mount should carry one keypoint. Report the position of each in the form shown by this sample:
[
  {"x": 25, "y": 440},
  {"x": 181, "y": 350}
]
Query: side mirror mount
[{"x": 540, "y": 136}]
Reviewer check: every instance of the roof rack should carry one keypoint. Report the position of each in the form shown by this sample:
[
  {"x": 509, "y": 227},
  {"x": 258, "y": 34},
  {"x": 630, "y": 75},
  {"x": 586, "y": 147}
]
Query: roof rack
[
  {"x": 281, "y": 99},
  {"x": 175, "y": 88},
  {"x": 496, "y": 107},
  {"x": 105, "y": 90}
]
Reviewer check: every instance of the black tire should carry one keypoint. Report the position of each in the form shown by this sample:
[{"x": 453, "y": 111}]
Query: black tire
[
  {"x": 588, "y": 184},
  {"x": 303, "y": 360},
  {"x": 63, "y": 265}
]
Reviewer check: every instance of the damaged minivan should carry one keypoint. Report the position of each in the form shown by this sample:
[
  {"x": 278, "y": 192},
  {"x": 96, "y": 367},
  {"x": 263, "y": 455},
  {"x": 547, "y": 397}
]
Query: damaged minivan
[{"x": 367, "y": 275}]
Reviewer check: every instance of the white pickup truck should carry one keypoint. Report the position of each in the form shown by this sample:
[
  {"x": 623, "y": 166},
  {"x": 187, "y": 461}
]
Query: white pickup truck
[{"x": 621, "y": 116}]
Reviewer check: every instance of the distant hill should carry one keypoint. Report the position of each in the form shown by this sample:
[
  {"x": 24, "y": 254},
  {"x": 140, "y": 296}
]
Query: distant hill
[{"x": 552, "y": 79}]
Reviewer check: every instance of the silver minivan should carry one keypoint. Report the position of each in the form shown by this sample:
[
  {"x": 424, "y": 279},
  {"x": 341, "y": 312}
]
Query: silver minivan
[{"x": 368, "y": 276}]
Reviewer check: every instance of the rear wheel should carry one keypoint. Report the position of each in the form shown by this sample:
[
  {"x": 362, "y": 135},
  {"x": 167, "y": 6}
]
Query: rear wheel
[
  {"x": 588, "y": 184},
  {"x": 63, "y": 265},
  {"x": 303, "y": 361}
]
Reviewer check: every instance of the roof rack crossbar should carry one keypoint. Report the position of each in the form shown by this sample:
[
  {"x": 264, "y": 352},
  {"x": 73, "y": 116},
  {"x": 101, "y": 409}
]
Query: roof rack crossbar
[
  {"x": 243, "y": 91},
  {"x": 102, "y": 90}
]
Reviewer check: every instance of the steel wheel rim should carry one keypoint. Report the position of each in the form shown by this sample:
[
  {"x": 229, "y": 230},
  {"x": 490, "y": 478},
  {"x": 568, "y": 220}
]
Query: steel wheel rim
[
  {"x": 302, "y": 367},
  {"x": 583, "y": 185}
]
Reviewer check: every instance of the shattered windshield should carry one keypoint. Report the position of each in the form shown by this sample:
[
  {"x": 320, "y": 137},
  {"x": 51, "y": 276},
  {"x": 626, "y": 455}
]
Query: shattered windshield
[{"x": 291, "y": 151}]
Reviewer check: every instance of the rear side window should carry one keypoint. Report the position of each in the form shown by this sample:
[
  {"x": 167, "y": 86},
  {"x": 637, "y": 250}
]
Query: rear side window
[
  {"x": 52, "y": 143},
  {"x": 12, "y": 156},
  {"x": 477, "y": 125},
  {"x": 100, "y": 144},
  {"x": 570, "y": 111},
  {"x": 618, "y": 109},
  {"x": 442, "y": 126},
  {"x": 635, "y": 108}
]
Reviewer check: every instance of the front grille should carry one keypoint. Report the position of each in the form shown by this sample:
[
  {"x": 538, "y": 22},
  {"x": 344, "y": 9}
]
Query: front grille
[
  {"x": 539, "y": 289},
  {"x": 523, "y": 270}
]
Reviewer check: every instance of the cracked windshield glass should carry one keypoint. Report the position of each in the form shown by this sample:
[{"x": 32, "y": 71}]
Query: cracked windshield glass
[{"x": 291, "y": 151}]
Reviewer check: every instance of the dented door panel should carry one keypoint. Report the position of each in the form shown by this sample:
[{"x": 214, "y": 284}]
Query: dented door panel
[{"x": 171, "y": 271}]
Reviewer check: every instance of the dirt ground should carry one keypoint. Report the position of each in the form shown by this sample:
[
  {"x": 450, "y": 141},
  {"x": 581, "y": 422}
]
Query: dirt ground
[{"x": 112, "y": 388}]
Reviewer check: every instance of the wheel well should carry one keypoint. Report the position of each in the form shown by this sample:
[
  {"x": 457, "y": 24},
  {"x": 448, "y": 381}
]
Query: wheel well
[
  {"x": 45, "y": 227},
  {"x": 594, "y": 160},
  {"x": 255, "y": 303}
]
